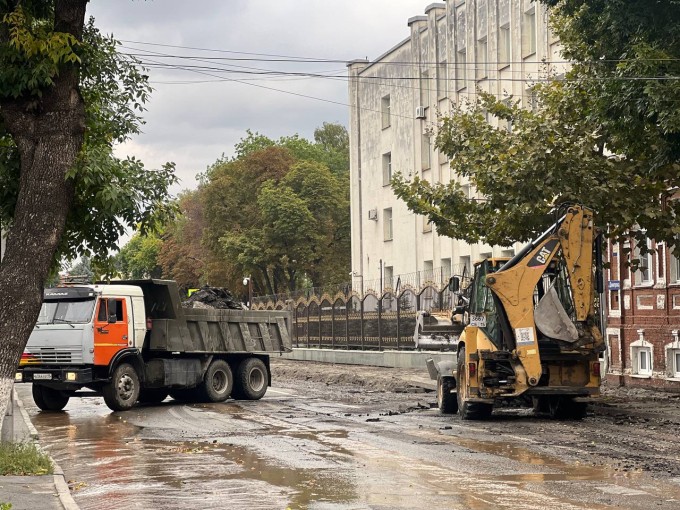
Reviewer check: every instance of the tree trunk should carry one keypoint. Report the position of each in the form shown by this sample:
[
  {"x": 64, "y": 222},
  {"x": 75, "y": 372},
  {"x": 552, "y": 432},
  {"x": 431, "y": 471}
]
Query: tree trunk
[{"x": 49, "y": 135}]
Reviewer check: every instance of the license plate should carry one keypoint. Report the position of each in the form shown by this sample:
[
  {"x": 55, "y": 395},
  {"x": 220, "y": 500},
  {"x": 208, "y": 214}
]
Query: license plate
[{"x": 42, "y": 376}]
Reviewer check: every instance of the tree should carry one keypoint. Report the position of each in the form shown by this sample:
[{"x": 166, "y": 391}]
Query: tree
[
  {"x": 183, "y": 256},
  {"x": 288, "y": 225},
  {"x": 138, "y": 259},
  {"x": 66, "y": 96},
  {"x": 607, "y": 136}
]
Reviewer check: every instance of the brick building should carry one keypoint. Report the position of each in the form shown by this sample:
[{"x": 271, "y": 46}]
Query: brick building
[{"x": 643, "y": 325}]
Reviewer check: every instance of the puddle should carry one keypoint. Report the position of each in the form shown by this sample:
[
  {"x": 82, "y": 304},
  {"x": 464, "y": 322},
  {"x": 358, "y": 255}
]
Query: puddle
[{"x": 121, "y": 468}]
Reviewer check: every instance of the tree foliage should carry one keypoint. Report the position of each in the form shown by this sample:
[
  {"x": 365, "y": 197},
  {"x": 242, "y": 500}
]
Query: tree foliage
[
  {"x": 277, "y": 211},
  {"x": 608, "y": 136},
  {"x": 111, "y": 194},
  {"x": 139, "y": 258}
]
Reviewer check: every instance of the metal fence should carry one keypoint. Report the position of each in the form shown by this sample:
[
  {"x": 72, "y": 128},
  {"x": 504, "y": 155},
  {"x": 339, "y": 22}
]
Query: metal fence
[{"x": 340, "y": 317}]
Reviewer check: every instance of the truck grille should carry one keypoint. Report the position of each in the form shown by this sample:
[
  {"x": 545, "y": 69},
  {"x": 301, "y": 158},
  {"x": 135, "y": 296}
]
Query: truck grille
[{"x": 56, "y": 356}]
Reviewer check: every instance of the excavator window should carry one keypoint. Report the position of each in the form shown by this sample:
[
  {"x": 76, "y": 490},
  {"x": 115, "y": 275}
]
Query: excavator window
[{"x": 482, "y": 302}]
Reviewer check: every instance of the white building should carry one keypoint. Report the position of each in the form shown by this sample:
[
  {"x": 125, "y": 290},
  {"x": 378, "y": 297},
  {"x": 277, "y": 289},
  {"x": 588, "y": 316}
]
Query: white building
[{"x": 456, "y": 48}]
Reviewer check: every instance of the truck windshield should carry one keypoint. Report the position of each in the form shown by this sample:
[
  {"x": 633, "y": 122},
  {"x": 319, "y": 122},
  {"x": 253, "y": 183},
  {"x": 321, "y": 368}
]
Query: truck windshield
[{"x": 66, "y": 312}]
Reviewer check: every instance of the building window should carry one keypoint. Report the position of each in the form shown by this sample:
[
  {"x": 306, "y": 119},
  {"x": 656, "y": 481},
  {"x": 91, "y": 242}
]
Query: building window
[
  {"x": 388, "y": 277},
  {"x": 441, "y": 79},
  {"x": 644, "y": 361},
  {"x": 482, "y": 59},
  {"x": 387, "y": 168},
  {"x": 425, "y": 150},
  {"x": 642, "y": 356},
  {"x": 465, "y": 266},
  {"x": 428, "y": 270},
  {"x": 508, "y": 253},
  {"x": 461, "y": 53},
  {"x": 385, "y": 107},
  {"x": 446, "y": 269},
  {"x": 643, "y": 275},
  {"x": 504, "y": 46},
  {"x": 676, "y": 363},
  {"x": 387, "y": 224},
  {"x": 529, "y": 32},
  {"x": 675, "y": 266},
  {"x": 427, "y": 224},
  {"x": 425, "y": 88}
]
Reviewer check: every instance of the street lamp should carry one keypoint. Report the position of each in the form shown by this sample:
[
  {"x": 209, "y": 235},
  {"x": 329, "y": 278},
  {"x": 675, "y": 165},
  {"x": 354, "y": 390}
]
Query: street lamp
[{"x": 249, "y": 282}]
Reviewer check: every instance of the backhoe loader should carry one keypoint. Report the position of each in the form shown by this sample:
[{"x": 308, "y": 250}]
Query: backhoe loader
[{"x": 532, "y": 330}]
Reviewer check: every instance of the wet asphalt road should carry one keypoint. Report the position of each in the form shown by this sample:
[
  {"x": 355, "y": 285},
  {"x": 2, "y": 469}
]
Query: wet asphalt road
[{"x": 306, "y": 446}]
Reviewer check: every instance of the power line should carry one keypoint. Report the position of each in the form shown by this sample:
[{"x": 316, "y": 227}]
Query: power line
[{"x": 301, "y": 59}]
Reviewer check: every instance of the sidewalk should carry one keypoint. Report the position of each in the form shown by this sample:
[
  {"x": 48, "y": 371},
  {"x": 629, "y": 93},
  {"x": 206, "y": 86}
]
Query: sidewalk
[{"x": 46, "y": 492}]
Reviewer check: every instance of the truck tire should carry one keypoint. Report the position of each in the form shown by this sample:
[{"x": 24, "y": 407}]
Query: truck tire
[
  {"x": 217, "y": 382},
  {"x": 251, "y": 380},
  {"x": 152, "y": 395},
  {"x": 49, "y": 399},
  {"x": 566, "y": 408},
  {"x": 468, "y": 410},
  {"x": 122, "y": 391},
  {"x": 447, "y": 402}
]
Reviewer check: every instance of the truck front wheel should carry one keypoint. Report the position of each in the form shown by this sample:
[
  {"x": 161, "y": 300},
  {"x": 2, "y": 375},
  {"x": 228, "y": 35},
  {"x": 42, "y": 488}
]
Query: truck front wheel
[
  {"x": 251, "y": 380},
  {"x": 218, "y": 382},
  {"x": 49, "y": 399},
  {"x": 122, "y": 391}
]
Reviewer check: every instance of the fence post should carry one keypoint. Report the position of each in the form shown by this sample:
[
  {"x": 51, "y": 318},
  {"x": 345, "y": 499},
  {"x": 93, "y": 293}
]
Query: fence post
[
  {"x": 380, "y": 302},
  {"x": 398, "y": 322},
  {"x": 362, "y": 324},
  {"x": 333, "y": 325}
]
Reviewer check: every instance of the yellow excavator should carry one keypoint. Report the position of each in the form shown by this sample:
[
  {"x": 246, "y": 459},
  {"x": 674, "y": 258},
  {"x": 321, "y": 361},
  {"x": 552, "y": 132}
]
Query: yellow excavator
[{"x": 532, "y": 328}]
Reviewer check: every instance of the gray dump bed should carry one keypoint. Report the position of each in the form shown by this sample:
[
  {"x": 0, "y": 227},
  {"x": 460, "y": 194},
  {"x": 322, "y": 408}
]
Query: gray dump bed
[{"x": 197, "y": 330}]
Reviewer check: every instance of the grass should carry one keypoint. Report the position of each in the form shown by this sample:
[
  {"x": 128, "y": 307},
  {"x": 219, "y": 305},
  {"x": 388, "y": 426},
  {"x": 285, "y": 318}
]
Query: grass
[{"x": 21, "y": 459}]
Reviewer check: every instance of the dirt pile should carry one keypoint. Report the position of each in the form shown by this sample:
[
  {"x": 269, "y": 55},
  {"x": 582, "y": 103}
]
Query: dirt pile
[{"x": 213, "y": 297}]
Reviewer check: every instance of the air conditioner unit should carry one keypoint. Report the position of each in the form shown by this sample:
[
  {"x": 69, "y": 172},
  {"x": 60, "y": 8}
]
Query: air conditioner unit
[
  {"x": 373, "y": 214},
  {"x": 420, "y": 112}
]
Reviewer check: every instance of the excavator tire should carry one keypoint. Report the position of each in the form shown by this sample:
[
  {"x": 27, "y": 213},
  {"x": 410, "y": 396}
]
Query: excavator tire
[
  {"x": 468, "y": 410},
  {"x": 566, "y": 408},
  {"x": 447, "y": 402}
]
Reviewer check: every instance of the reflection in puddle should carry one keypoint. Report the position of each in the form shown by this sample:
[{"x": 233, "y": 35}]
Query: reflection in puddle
[{"x": 123, "y": 470}]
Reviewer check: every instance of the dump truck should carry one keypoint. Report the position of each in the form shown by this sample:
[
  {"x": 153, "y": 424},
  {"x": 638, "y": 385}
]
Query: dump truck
[
  {"x": 532, "y": 329},
  {"x": 133, "y": 341}
]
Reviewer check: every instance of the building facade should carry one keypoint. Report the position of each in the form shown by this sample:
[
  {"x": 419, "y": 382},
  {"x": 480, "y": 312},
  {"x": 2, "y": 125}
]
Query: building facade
[
  {"x": 643, "y": 327},
  {"x": 455, "y": 49}
]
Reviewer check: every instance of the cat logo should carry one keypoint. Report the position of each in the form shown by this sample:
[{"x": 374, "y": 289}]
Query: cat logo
[{"x": 543, "y": 255}]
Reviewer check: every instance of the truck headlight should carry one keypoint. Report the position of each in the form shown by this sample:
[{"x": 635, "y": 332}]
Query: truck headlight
[
  {"x": 18, "y": 377},
  {"x": 71, "y": 376}
]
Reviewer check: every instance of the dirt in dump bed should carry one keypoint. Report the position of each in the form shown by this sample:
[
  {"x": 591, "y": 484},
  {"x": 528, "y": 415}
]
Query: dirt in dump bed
[{"x": 213, "y": 297}]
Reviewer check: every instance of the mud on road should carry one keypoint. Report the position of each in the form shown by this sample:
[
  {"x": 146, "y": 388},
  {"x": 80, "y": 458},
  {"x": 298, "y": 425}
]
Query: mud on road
[{"x": 628, "y": 430}]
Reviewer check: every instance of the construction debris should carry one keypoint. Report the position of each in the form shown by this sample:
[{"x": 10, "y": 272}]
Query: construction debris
[{"x": 213, "y": 297}]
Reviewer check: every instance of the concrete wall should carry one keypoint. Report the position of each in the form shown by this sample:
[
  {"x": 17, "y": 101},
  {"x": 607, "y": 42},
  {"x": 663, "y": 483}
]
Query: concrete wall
[
  {"x": 436, "y": 41},
  {"x": 390, "y": 359}
]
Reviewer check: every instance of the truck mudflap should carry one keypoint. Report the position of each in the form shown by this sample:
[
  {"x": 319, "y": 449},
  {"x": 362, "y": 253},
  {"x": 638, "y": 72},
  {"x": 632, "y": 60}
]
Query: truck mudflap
[{"x": 78, "y": 376}]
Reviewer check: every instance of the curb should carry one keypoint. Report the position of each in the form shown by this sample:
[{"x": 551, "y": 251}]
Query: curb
[{"x": 64, "y": 493}]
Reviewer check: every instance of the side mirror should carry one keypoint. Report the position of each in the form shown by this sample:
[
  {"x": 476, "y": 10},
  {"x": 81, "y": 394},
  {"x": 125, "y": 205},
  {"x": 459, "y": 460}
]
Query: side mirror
[
  {"x": 454, "y": 284},
  {"x": 112, "y": 305}
]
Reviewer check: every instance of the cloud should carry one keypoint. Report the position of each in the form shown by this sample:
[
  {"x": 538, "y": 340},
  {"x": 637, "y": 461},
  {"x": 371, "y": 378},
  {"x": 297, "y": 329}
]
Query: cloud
[{"x": 194, "y": 124}]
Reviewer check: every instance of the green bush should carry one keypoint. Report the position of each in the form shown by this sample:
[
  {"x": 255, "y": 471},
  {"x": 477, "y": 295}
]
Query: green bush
[{"x": 23, "y": 459}]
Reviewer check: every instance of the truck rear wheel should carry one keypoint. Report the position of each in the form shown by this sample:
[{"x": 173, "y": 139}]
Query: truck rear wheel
[
  {"x": 251, "y": 380},
  {"x": 447, "y": 402},
  {"x": 218, "y": 382},
  {"x": 468, "y": 410},
  {"x": 122, "y": 391},
  {"x": 49, "y": 399}
]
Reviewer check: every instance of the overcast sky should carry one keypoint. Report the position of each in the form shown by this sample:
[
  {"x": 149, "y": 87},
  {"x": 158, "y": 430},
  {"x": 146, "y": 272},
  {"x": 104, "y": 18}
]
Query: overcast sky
[{"x": 193, "y": 124}]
